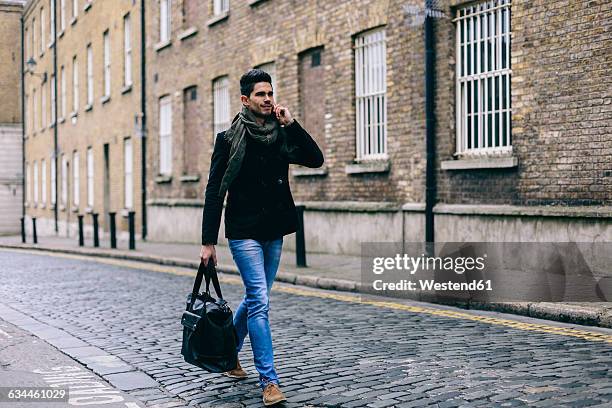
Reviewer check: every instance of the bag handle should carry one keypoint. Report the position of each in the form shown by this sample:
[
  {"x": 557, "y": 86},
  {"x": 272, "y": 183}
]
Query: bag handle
[{"x": 211, "y": 275}]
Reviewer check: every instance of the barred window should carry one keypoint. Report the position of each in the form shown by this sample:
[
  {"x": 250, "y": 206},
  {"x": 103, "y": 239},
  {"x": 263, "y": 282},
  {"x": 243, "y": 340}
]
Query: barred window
[
  {"x": 90, "y": 80},
  {"x": 370, "y": 93},
  {"x": 165, "y": 26},
  {"x": 64, "y": 196},
  {"x": 221, "y": 105},
  {"x": 53, "y": 98},
  {"x": 165, "y": 136},
  {"x": 483, "y": 79},
  {"x": 43, "y": 181},
  {"x": 75, "y": 179},
  {"x": 53, "y": 179},
  {"x": 28, "y": 184},
  {"x": 107, "y": 64},
  {"x": 127, "y": 50},
  {"x": 75, "y": 84},
  {"x": 270, "y": 68},
  {"x": 90, "y": 177},
  {"x": 220, "y": 7},
  {"x": 36, "y": 182},
  {"x": 128, "y": 183}
]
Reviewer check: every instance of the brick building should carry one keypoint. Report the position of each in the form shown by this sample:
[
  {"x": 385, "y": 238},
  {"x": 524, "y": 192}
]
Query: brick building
[
  {"x": 83, "y": 90},
  {"x": 522, "y": 114},
  {"x": 11, "y": 172}
]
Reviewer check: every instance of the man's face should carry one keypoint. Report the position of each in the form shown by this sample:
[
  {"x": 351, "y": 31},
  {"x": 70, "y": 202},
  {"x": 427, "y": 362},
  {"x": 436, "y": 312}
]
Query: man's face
[{"x": 261, "y": 100}]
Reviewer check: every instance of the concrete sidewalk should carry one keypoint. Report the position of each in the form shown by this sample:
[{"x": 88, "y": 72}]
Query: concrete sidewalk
[{"x": 324, "y": 271}]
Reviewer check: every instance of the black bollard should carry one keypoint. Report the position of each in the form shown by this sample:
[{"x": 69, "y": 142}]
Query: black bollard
[
  {"x": 113, "y": 230},
  {"x": 96, "y": 236},
  {"x": 81, "y": 237},
  {"x": 34, "y": 235},
  {"x": 23, "y": 234},
  {"x": 300, "y": 242},
  {"x": 132, "y": 228}
]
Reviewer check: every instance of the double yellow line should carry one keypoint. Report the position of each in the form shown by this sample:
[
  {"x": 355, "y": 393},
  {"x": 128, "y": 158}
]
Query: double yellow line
[{"x": 296, "y": 290}]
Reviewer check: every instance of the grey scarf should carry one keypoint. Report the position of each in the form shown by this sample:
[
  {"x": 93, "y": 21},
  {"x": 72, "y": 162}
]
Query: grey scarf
[{"x": 244, "y": 125}]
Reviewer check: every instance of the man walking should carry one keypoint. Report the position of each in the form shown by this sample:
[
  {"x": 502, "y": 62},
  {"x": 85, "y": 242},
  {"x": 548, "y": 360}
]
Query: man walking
[{"x": 250, "y": 162}]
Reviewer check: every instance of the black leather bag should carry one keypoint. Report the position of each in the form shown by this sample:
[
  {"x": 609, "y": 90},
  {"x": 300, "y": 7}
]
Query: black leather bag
[{"x": 209, "y": 336}]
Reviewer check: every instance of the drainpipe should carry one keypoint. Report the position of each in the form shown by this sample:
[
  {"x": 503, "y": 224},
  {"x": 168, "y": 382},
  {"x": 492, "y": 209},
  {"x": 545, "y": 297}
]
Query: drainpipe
[
  {"x": 143, "y": 122},
  {"x": 55, "y": 111},
  {"x": 23, "y": 122},
  {"x": 430, "y": 172}
]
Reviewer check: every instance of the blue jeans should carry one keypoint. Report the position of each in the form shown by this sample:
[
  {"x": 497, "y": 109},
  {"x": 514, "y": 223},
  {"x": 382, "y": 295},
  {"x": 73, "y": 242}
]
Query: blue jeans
[{"x": 257, "y": 262}]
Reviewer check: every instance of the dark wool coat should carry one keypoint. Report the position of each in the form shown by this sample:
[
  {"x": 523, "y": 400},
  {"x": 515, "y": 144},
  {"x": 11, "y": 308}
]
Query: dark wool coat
[{"x": 259, "y": 201}]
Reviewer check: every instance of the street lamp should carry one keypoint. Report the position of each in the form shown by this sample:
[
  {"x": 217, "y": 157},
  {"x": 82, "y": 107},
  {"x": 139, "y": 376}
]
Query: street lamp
[{"x": 31, "y": 64}]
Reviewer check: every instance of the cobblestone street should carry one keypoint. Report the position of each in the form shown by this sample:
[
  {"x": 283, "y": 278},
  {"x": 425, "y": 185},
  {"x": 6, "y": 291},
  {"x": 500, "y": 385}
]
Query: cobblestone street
[{"x": 329, "y": 351}]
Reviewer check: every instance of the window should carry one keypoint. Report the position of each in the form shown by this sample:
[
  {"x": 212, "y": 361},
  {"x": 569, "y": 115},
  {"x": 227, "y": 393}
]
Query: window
[
  {"x": 370, "y": 95},
  {"x": 26, "y": 124},
  {"x": 53, "y": 179},
  {"x": 52, "y": 20},
  {"x": 35, "y": 182},
  {"x": 127, "y": 50},
  {"x": 63, "y": 91},
  {"x": 220, "y": 7},
  {"x": 75, "y": 179},
  {"x": 43, "y": 29},
  {"x": 270, "y": 68},
  {"x": 311, "y": 93},
  {"x": 221, "y": 105},
  {"x": 43, "y": 181},
  {"x": 26, "y": 53},
  {"x": 33, "y": 36},
  {"x": 43, "y": 107},
  {"x": 34, "y": 110},
  {"x": 192, "y": 131},
  {"x": 90, "y": 178},
  {"x": 64, "y": 180},
  {"x": 62, "y": 15},
  {"x": 90, "y": 83},
  {"x": 53, "y": 98},
  {"x": 483, "y": 79},
  {"x": 165, "y": 136},
  {"x": 28, "y": 184},
  {"x": 165, "y": 18},
  {"x": 75, "y": 8},
  {"x": 128, "y": 174},
  {"x": 107, "y": 71},
  {"x": 75, "y": 85}
]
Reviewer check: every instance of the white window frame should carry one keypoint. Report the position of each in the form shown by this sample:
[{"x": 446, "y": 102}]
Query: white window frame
[
  {"x": 165, "y": 20},
  {"x": 63, "y": 91},
  {"x": 221, "y": 105},
  {"x": 107, "y": 64},
  {"x": 52, "y": 22},
  {"x": 371, "y": 95},
  {"x": 53, "y": 180},
  {"x": 35, "y": 182},
  {"x": 165, "y": 135},
  {"x": 43, "y": 107},
  {"x": 90, "y": 178},
  {"x": 75, "y": 8},
  {"x": 43, "y": 181},
  {"x": 127, "y": 50},
  {"x": 53, "y": 98},
  {"x": 75, "y": 85},
  {"x": 220, "y": 7},
  {"x": 75, "y": 179},
  {"x": 34, "y": 111},
  {"x": 33, "y": 36},
  {"x": 28, "y": 184},
  {"x": 43, "y": 29},
  {"x": 90, "y": 81},
  {"x": 479, "y": 79},
  {"x": 62, "y": 15},
  {"x": 64, "y": 196},
  {"x": 128, "y": 169}
]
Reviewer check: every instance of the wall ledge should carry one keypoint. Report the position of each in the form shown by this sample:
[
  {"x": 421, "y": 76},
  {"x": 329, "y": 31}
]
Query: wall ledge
[{"x": 535, "y": 211}]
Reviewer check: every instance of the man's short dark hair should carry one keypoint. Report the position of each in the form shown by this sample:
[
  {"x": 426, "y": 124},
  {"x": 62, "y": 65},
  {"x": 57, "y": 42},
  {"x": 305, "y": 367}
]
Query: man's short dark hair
[{"x": 249, "y": 79}]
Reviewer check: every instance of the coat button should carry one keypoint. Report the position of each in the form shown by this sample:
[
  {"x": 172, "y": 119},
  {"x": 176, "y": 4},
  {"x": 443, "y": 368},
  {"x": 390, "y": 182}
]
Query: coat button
[{"x": 279, "y": 181}]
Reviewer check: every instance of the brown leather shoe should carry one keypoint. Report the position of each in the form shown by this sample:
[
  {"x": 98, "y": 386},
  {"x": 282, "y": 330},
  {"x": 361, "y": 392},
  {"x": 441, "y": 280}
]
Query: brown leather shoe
[
  {"x": 237, "y": 372},
  {"x": 272, "y": 395}
]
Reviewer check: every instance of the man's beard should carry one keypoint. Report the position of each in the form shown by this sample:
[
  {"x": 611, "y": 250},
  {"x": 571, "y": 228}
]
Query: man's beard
[{"x": 262, "y": 115}]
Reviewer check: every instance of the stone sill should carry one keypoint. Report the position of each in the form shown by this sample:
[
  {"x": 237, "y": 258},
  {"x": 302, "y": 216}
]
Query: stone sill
[
  {"x": 306, "y": 172},
  {"x": 163, "y": 179},
  {"x": 216, "y": 19},
  {"x": 482, "y": 163},
  {"x": 413, "y": 207},
  {"x": 87, "y": 6},
  {"x": 62, "y": 208},
  {"x": 61, "y": 120},
  {"x": 125, "y": 212},
  {"x": 350, "y": 206},
  {"x": 189, "y": 178},
  {"x": 254, "y": 2},
  {"x": 515, "y": 210},
  {"x": 161, "y": 45},
  {"x": 89, "y": 210},
  {"x": 88, "y": 107},
  {"x": 60, "y": 34},
  {"x": 105, "y": 99},
  {"x": 188, "y": 33},
  {"x": 126, "y": 89},
  {"x": 175, "y": 202},
  {"x": 73, "y": 21},
  {"x": 73, "y": 115},
  {"x": 374, "y": 166},
  {"x": 75, "y": 209}
]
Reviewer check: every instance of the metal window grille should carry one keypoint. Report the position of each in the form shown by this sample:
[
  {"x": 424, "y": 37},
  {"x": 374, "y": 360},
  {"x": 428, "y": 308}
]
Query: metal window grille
[
  {"x": 221, "y": 105},
  {"x": 483, "y": 79},
  {"x": 53, "y": 179},
  {"x": 75, "y": 84},
  {"x": 64, "y": 180},
  {"x": 43, "y": 181},
  {"x": 35, "y": 183},
  {"x": 164, "y": 20},
  {"x": 127, "y": 50},
  {"x": 370, "y": 94},
  {"x": 128, "y": 172},
  {"x": 75, "y": 179},
  {"x": 90, "y": 83},
  {"x": 165, "y": 136},
  {"x": 107, "y": 65},
  {"x": 90, "y": 177},
  {"x": 220, "y": 6}
]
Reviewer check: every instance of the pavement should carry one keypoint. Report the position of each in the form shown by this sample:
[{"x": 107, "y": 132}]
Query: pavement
[
  {"x": 324, "y": 271},
  {"x": 121, "y": 320}
]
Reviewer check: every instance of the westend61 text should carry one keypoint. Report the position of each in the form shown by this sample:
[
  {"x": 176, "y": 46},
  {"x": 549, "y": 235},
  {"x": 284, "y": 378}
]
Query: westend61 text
[
  {"x": 411, "y": 264},
  {"x": 430, "y": 284}
]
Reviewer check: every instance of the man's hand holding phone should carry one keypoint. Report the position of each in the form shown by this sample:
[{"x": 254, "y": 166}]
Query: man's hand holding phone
[{"x": 282, "y": 115}]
